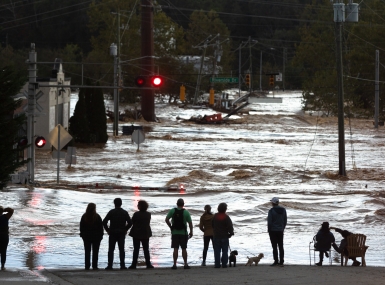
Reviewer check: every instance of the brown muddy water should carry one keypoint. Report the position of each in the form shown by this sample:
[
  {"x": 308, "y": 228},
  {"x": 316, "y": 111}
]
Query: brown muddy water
[{"x": 275, "y": 150}]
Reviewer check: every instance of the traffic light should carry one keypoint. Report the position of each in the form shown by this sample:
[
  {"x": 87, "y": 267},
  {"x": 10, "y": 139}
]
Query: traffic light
[
  {"x": 182, "y": 93},
  {"x": 140, "y": 81},
  {"x": 22, "y": 142},
  {"x": 156, "y": 81},
  {"x": 40, "y": 142},
  {"x": 271, "y": 81},
  {"x": 149, "y": 81},
  {"x": 247, "y": 80}
]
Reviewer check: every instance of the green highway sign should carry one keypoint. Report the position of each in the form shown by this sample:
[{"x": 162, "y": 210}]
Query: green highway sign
[{"x": 224, "y": 79}]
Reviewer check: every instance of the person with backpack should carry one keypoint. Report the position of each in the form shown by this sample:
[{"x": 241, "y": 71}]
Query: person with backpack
[{"x": 179, "y": 218}]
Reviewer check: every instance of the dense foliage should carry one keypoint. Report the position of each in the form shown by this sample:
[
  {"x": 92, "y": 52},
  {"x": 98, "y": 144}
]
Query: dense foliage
[
  {"x": 78, "y": 124},
  {"x": 299, "y": 34},
  {"x": 11, "y": 81}
]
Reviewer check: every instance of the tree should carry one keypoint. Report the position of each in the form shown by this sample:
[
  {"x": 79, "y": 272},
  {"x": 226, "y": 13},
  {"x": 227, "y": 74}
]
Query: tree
[
  {"x": 78, "y": 124},
  {"x": 168, "y": 42},
  {"x": 201, "y": 26},
  {"x": 96, "y": 114},
  {"x": 316, "y": 57},
  {"x": 11, "y": 82}
]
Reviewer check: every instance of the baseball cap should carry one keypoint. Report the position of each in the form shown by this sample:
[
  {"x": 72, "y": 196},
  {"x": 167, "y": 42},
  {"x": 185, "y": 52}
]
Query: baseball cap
[{"x": 275, "y": 200}]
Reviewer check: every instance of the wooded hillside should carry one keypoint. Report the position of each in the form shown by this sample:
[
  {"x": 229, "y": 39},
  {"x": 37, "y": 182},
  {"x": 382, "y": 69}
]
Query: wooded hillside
[{"x": 299, "y": 33}]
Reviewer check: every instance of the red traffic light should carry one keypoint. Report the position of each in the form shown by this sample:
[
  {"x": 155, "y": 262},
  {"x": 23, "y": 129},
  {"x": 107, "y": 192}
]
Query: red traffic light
[
  {"x": 22, "y": 142},
  {"x": 156, "y": 81},
  {"x": 140, "y": 81},
  {"x": 40, "y": 142}
]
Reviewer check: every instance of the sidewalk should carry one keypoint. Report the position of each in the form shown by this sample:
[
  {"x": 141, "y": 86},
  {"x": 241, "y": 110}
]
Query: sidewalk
[{"x": 261, "y": 275}]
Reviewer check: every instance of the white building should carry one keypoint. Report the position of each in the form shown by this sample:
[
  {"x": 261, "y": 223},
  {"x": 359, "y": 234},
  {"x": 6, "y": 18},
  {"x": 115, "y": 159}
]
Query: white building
[{"x": 55, "y": 102}]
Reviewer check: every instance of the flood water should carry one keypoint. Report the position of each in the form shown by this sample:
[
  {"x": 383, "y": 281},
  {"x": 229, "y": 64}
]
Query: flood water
[{"x": 275, "y": 150}]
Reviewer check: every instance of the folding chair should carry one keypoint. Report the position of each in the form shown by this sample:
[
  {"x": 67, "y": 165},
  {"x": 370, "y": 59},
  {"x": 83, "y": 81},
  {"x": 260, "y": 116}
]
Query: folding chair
[{"x": 312, "y": 247}]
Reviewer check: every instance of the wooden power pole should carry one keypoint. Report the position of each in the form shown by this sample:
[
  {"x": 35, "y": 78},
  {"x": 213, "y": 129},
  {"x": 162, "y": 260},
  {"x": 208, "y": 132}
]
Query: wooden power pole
[{"x": 147, "y": 103}]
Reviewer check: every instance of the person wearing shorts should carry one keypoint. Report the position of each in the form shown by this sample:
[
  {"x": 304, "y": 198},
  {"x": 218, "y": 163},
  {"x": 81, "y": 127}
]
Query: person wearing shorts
[{"x": 179, "y": 237}]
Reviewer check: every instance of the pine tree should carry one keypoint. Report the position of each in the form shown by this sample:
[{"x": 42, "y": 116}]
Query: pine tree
[
  {"x": 79, "y": 125},
  {"x": 10, "y": 84},
  {"x": 97, "y": 115}
]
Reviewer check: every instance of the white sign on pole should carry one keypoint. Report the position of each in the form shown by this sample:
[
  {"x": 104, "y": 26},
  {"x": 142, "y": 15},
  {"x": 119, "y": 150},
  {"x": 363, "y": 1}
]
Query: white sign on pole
[
  {"x": 65, "y": 137},
  {"x": 278, "y": 77},
  {"x": 137, "y": 136},
  {"x": 71, "y": 155}
]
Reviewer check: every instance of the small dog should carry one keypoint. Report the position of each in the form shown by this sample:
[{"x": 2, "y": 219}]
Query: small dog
[
  {"x": 255, "y": 259},
  {"x": 233, "y": 257}
]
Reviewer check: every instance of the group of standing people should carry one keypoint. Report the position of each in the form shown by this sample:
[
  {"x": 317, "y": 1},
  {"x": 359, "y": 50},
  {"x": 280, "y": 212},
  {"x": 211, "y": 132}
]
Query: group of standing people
[
  {"x": 217, "y": 228},
  {"x": 116, "y": 223}
]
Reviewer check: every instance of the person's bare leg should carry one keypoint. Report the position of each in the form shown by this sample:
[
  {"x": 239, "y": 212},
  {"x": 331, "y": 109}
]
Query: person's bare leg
[
  {"x": 175, "y": 255},
  {"x": 184, "y": 255}
]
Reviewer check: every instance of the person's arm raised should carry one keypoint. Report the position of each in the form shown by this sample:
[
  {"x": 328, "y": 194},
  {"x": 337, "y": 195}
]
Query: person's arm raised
[{"x": 9, "y": 212}]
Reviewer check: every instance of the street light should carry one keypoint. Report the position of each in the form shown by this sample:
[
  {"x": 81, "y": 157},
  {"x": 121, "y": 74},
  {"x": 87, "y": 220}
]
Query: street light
[{"x": 114, "y": 53}]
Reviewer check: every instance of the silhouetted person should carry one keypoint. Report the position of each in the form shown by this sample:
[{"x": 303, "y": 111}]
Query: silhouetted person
[
  {"x": 120, "y": 222},
  {"x": 4, "y": 233},
  {"x": 91, "y": 231},
  {"x": 324, "y": 240},
  {"x": 206, "y": 226},
  {"x": 222, "y": 231},
  {"x": 344, "y": 244},
  {"x": 180, "y": 217},
  {"x": 141, "y": 233},
  {"x": 276, "y": 224}
]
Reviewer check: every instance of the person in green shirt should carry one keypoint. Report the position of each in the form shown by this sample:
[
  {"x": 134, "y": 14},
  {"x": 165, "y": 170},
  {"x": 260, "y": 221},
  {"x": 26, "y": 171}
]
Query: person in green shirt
[{"x": 179, "y": 218}]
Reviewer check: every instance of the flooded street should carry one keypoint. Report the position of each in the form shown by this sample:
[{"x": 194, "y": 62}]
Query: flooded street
[{"x": 275, "y": 150}]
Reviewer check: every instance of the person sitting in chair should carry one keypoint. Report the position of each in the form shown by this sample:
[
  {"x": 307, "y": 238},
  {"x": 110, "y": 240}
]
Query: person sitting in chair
[
  {"x": 344, "y": 244},
  {"x": 324, "y": 240}
]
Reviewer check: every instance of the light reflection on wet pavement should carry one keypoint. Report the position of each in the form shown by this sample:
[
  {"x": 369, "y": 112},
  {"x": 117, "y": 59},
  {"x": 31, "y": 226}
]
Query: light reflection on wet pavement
[{"x": 244, "y": 165}]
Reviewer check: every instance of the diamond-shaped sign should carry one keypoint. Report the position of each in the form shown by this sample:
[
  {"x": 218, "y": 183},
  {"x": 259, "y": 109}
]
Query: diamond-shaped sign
[{"x": 53, "y": 137}]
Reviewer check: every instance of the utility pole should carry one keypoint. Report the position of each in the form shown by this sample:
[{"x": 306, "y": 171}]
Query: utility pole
[
  {"x": 216, "y": 59},
  {"x": 377, "y": 90},
  {"x": 241, "y": 45},
  {"x": 239, "y": 70},
  {"x": 250, "y": 67},
  {"x": 147, "y": 44},
  {"x": 340, "y": 90},
  {"x": 117, "y": 74},
  {"x": 114, "y": 52},
  {"x": 197, "y": 88},
  {"x": 283, "y": 68},
  {"x": 260, "y": 73},
  {"x": 32, "y": 74},
  {"x": 339, "y": 18}
]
